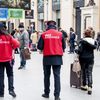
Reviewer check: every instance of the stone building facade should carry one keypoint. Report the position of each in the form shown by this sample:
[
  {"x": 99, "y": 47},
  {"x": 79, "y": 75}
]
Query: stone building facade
[{"x": 69, "y": 13}]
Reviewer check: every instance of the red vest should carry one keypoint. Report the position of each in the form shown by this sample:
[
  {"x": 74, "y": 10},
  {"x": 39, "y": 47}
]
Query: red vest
[
  {"x": 52, "y": 43},
  {"x": 7, "y": 44}
]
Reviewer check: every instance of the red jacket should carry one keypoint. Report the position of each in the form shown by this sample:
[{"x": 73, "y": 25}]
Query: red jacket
[
  {"x": 52, "y": 43},
  {"x": 7, "y": 44}
]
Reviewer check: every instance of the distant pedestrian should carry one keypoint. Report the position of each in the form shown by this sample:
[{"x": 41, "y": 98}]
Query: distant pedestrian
[
  {"x": 34, "y": 38},
  {"x": 86, "y": 58},
  {"x": 64, "y": 33},
  {"x": 16, "y": 36},
  {"x": 98, "y": 41},
  {"x": 72, "y": 37},
  {"x": 24, "y": 43},
  {"x": 29, "y": 32},
  {"x": 52, "y": 44},
  {"x": 7, "y": 44}
]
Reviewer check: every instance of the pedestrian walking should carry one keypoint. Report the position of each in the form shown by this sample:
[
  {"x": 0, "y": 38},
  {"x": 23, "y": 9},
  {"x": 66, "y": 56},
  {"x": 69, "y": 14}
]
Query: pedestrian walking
[
  {"x": 34, "y": 39},
  {"x": 98, "y": 41},
  {"x": 86, "y": 58},
  {"x": 72, "y": 40},
  {"x": 7, "y": 44},
  {"x": 64, "y": 33},
  {"x": 16, "y": 36},
  {"x": 24, "y": 43},
  {"x": 52, "y": 44}
]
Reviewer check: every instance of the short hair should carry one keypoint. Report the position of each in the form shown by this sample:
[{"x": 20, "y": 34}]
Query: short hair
[{"x": 87, "y": 33}]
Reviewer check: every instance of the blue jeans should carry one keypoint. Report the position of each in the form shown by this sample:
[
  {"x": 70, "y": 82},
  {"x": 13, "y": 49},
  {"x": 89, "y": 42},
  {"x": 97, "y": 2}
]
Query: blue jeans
[
  {"x": 22, "y": 59},
  {"x": 56, "y": 73}
]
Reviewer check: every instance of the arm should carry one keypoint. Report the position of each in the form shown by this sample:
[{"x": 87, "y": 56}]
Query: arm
[
  {"x": 63, "y": 43},
  {"x": 26, "y": 39},
  {"x": 40, "y": 45},
  {"x": 15, "y": 43}
]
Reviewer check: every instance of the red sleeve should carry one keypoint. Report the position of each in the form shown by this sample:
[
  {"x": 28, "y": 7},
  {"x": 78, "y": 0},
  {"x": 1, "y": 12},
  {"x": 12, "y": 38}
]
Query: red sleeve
[{"x": 15, "y": 43}]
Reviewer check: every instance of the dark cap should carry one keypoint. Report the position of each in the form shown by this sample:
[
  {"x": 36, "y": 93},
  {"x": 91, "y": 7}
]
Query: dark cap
[
  {"x": 2, "y": 25},
  {"x": 21, "y": 25},
  {"x": 51, "y": 22}
]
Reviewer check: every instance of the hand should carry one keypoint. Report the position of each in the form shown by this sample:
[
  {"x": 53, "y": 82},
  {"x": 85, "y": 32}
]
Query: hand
[
  {"x": 40, "y": 52},
  {"x": 25, "y": 47}
]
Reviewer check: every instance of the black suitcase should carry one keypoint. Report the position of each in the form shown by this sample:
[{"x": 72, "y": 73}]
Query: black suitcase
[{"x": 75, "y": 78}]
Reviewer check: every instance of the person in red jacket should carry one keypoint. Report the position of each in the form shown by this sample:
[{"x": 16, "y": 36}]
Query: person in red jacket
[
  {"x": 7, "y": 44},
  {"x": 52, "y": 44}
]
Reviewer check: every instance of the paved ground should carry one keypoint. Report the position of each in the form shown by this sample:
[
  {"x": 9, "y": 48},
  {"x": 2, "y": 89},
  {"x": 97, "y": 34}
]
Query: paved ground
[{"x": 29, "y": 82}]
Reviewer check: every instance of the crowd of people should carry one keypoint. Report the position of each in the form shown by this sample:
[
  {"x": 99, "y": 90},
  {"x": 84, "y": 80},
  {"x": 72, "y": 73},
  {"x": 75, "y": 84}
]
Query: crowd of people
[{"x": 52, "y": 44}]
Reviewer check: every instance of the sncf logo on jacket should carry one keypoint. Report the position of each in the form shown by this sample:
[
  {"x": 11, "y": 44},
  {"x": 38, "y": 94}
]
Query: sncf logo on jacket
[
  {"x": 50, "y": 36},
  {"x": 52, "y": 43},
  {"x": 4, "y": 42}
]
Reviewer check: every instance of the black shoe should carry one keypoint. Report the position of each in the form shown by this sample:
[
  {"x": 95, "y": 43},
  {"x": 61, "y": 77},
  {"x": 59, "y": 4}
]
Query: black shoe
[
  {"x": 89, "y": 90},
  {"x": 57, "y": 98},
  {"x": 21, "y": 67},
  {"x": 12, "y": 93},
  {"x": 45, "y": 95},
  {"x": 84, "y": 88},
  {"x": 1, "y": 95}
]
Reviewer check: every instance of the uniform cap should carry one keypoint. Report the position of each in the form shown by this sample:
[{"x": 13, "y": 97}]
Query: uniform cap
[
  {"x": 21, "y": 25},
  {"x": 51, "y": 22}
]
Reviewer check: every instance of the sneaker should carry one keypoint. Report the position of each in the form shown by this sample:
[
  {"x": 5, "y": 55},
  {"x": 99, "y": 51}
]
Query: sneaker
[
  {"x": 89, "y": 90},
  {"x": 45, "y": 95},
  {"x": 85, "y": 88},
  {"x": 21, "y": 67},
  {"x": 57, "y": 98},
  {"x": 12, "y": 93}
]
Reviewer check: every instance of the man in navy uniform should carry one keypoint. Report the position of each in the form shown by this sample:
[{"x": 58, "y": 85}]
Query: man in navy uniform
[{"x": 52, "y": 44}]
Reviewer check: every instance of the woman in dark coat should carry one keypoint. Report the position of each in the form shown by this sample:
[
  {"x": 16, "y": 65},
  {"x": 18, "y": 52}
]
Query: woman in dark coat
[{"x": 86, "y": 58}]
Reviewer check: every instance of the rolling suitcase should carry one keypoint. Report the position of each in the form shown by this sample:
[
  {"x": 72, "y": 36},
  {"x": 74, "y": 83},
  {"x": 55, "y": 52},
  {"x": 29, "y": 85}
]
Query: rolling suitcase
[{"x": 75, "y": 78}]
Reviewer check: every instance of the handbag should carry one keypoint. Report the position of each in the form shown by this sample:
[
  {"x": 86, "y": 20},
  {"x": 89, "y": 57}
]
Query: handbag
[
  {"x": 26, "y": 53},
  {"x": 76, "y": 66}
]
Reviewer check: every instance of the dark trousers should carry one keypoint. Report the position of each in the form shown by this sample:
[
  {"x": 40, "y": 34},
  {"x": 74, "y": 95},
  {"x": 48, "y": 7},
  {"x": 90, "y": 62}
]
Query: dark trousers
[
  {"x": 16, "y": 50},
  {"x": 22, "y": 59},
  {"x": 34, "y": 48},
  {"x": 87, "y": 73},
  {"x": 72, "y": 47},
  {"x": 9, "y": 70},
  {"x": 56, "y": 73}
]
